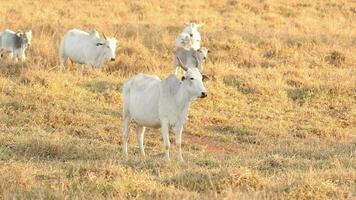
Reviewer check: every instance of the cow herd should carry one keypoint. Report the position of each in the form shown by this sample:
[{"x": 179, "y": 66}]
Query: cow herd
[{"x": 147, "y": 100}]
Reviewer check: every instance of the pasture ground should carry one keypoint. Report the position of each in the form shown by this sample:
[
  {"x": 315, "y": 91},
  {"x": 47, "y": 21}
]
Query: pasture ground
[{"x": 279, "y": 121}]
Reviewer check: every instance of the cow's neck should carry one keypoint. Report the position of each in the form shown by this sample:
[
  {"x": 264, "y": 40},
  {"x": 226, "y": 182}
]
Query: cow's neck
[
  {"x": 100, "y": 57},
  {"x": 182, "y": 97}
]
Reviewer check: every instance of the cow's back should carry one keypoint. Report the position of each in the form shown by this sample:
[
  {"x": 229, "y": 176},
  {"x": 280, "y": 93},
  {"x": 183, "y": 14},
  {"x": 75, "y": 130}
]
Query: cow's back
[{"x": 78, "y": 45}]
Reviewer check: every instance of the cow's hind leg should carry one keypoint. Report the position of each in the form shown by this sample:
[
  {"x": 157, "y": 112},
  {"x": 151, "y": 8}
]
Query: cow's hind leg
[
  {"x": 63, "y": 58},
  {"x": 165, "y": 135},
  {"x": 140, "y": 132},
  {"x": 126, "y": 119},
  {"x": 125, "y": 136},
  {"x": 11, "y": 55}
]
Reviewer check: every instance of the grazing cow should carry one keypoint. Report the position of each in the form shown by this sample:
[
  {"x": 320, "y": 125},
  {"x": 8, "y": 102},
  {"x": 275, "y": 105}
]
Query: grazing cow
[
  {"x": 190, "y": 58},
  {"x": 190, "y": 37},
  {"x": 15, "y": 43},
  {"x": 87, "y": 48},
  {"x": 155, "y": 103}
]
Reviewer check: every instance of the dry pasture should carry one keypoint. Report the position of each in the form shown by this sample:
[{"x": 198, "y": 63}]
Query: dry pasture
[{"x": 279, "y": 121}]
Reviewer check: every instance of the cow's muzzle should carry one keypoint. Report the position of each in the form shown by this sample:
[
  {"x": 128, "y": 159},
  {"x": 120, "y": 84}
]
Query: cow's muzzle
[
  {"x": 203, "y": 95},
  {"x": 112, "y": 59}
]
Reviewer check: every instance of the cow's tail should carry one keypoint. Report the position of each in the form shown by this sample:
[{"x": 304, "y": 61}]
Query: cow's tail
[{"x": 126, "y": 98}]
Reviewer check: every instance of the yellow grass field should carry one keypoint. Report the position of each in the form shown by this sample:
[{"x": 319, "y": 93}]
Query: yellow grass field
[{"x": 279, "y": 121}]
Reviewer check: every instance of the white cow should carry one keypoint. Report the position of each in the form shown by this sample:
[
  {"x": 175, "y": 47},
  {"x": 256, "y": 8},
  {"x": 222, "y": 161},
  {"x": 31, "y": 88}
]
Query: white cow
[
  {"x": 87, "y": 48},
  {"x": 15, "y": 43},
  {"x": 190, "y": 58},
  {"x": 190, "y": 37},
  {"x": 155, "y": 103}
]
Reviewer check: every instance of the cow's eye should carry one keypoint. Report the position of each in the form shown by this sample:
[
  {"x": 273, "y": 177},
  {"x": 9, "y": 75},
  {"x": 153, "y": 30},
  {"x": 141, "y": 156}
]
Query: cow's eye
[{"x": 191, "y": 78}]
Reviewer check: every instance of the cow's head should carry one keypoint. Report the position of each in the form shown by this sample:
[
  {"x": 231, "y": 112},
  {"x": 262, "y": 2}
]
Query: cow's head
[
  {"x": 193, "y": 81},
  {"x": 108, "y": 47},
  {"x": 28, "y": 35},
  {"x": 192, "y": 30},
  {"x": 23, "y": 39},
  {"x": 203, "y": 54}
]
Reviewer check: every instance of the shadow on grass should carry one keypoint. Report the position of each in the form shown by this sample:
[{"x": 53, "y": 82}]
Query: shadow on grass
[
  {"x": 243, "y": 87},
  {"x": 11, "y": 68},
  {"x": 300, "y": 95},
  {"x": 242, "y": 134},
  {"x": 101, "y": 86},
  {"x": 56, "y": 149},
  {"x": 217, "y": 181}
]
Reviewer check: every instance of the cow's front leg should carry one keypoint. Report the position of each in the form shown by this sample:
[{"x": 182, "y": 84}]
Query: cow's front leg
[
  {"x": 178, "y": 132},
  {"x": 11, "y": 55},
  {"x": 23, "y": 57},
  {"x": 140, "y": 131},
  {"x": 165, "y": 135}
]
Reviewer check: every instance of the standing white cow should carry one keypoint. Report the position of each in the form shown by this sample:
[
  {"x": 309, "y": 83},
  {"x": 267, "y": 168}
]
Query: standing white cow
[
  {"x": 190, "y": 58},
  {"x": 190, "y": 37},
  {"x": 87, "y": 48},
  {"x": 155, "y": 103},
  {"x": 15, "y": 43}
]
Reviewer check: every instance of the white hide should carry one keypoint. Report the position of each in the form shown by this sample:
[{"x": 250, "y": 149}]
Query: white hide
[
  {"x": 155, "y": 103},
  {"x": 190, "y": 37},
  {"x": 190, "y": 58},
  {"x": 87, "y": 48}
]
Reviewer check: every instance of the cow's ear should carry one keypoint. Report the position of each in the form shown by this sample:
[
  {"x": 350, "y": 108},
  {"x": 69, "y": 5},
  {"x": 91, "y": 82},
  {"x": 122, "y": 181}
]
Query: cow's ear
[
  {"x": 29, "y": 33},
  {"x": 98, "y": 44},
  {"x": 199, "y": 25},
  {"x": 183, "y": 78},
  {"x": 205, "y": 77}
]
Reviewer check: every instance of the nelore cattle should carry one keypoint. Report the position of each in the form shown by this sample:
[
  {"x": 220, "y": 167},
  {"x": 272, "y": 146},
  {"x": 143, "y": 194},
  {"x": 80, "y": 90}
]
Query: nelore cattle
[
  {"x": 190, "y": 37},
  {"x": 87, "y": 48},
  {"x": 15, "y": 43},
  {"x": 155, "y": 103},
  {"x": 190, "y": 58}
]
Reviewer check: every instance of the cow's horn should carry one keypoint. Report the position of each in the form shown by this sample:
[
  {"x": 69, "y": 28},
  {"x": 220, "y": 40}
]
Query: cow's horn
[{"x": 181, "y": 64}]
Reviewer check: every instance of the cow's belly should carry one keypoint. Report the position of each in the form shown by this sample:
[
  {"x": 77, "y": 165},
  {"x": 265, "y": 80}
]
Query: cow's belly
[
  {"x": 145, "y": 116},
  {"x": 7, "y": 49},
  {"x": 150, "y": 124},
  {"x": 77, "y": 57},
  {"x": 78, "y": 53},
  {"x": 144, "y": 109}
]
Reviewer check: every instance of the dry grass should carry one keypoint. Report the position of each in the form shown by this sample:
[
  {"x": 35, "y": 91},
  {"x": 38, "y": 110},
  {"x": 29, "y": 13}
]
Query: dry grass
[{"x": 282, "y": 103}]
